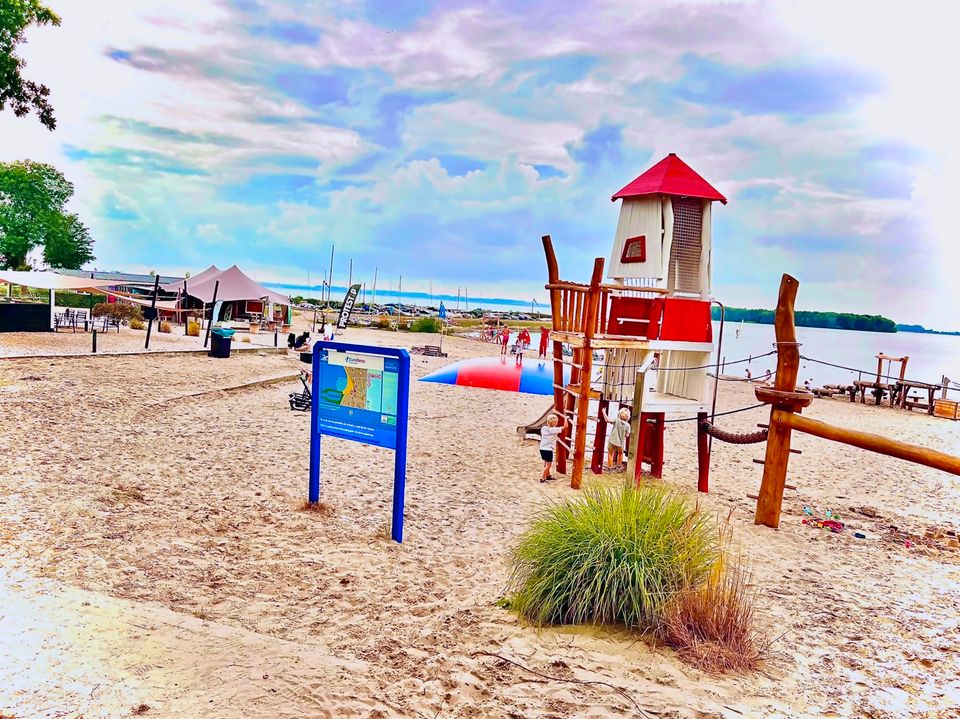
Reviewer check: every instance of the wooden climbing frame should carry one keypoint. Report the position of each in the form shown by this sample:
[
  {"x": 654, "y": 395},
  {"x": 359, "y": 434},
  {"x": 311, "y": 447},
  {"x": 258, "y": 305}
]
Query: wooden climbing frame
[
  {"x": 574, "y": 308},
  {"x": 786, "y": 405}
]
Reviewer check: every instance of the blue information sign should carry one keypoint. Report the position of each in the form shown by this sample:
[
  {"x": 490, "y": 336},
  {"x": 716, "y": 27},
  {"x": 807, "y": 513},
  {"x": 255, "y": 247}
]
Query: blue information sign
[{"x": 361, "y": 393}]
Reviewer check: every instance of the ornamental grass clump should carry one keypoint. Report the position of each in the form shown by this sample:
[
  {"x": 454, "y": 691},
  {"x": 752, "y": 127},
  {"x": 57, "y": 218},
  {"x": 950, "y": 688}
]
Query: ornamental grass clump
[
  {"x": 712, "y": 625},
  {"x": 611, "y": 556}
]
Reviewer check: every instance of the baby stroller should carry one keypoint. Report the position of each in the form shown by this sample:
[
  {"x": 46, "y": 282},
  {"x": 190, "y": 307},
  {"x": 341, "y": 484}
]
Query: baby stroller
[{"x": 301, "y": 401}]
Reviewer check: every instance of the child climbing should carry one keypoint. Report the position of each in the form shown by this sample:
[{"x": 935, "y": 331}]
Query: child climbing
[
  {"x": 617, "y": 442},
  {"x": 548, "y": 443}
]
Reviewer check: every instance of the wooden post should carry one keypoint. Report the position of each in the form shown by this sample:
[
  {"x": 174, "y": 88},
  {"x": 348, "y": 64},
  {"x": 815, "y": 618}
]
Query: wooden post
[
  {"x": 778, "y": 440},
  {"x": 216, "y": 289},
  {"x": 703, "y": 454},
  {"x": 871, "y": 442},
  {"x": 586, "y": 372},
  {"x": 153, "y": 310},
  {"x": 553, "y": 275},
  {"x": 656, "y": 455},
  {"x": 600, "y": 434},
  {"x": 635, "y": 460}
]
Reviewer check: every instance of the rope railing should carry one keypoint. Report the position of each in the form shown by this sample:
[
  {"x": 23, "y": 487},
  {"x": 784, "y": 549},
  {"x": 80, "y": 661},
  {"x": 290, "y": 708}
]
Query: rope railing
[
  {"x": 718, "y": 414},
  {"x": 734, "y": 437},
  {"x": 713, "y": 364}
]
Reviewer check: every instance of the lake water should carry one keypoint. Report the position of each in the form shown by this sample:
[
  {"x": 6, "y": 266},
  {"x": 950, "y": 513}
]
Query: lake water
[{"x": 931, "y": 356}]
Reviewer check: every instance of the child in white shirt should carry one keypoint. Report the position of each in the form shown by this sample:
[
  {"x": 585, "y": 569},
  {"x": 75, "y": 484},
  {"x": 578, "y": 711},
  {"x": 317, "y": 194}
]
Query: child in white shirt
[
  {"x": 617, "y": 440},
  {"x": 548, "y": 442}
]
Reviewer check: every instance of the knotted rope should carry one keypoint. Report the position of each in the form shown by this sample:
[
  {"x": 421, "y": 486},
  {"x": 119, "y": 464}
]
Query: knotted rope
[{"x": 734, "y": 437}]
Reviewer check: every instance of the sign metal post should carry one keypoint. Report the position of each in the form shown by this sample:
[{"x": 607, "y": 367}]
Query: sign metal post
[{"x": 361, "y": 393}]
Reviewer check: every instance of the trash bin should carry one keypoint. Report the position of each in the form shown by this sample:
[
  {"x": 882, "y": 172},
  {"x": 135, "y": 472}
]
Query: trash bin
[{"x": 220, "y": 340}]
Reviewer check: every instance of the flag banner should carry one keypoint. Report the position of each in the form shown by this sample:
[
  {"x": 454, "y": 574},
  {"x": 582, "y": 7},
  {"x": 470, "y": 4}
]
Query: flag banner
[
  {"x": 348, "y": 302},
  {"x": 442, "y": 314}
]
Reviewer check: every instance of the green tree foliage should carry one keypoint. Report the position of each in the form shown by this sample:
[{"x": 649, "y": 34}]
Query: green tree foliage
[
  {"x": 20, "y": 94},
  {"x": 828, "y": 320},
  {"x": 32, "y": 199}
]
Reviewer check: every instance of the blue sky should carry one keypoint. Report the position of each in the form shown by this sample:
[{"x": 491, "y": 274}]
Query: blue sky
[{"x": 439, "y": 140}]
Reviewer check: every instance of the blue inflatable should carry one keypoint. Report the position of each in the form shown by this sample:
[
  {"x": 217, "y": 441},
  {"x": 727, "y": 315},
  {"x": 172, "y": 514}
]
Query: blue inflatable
[{"x": 531, "y": 376}]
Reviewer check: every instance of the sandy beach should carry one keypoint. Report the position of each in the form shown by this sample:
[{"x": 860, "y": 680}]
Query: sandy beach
[{"x": 154, "y": 560}]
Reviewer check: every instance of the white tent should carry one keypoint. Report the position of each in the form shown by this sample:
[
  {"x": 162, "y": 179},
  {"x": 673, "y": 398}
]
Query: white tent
[{"x": 52, "y": 281}]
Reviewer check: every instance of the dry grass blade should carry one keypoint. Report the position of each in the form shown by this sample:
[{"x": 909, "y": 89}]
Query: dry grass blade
[{"x": 712, "y": 626}]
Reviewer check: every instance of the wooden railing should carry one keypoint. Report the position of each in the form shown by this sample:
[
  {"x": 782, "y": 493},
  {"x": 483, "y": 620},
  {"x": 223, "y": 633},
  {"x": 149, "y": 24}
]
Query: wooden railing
[
  {"x": 785, "y": 405},
  {"x": 573, "y": 300}
]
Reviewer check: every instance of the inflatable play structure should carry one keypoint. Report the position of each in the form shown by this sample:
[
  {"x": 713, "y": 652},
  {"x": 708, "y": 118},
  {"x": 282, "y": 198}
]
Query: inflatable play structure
[
  {"x": 653, "y": 307},
  {"x": 503, "y": 373}
]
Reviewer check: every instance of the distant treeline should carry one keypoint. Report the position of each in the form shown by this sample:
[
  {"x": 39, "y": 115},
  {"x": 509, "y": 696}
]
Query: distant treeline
[
  {"x": 829, "y": 320},
  {"x": 923, "y": 330}
]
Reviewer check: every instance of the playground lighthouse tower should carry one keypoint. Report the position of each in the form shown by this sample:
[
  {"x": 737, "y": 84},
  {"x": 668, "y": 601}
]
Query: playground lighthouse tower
[{"x": 654, "y": 305}]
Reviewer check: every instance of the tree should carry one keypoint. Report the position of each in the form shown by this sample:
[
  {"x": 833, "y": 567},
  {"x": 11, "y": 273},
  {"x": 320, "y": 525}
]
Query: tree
[
  {"x": 32, "y": 199},
  {"x": 22, "y": 95}
]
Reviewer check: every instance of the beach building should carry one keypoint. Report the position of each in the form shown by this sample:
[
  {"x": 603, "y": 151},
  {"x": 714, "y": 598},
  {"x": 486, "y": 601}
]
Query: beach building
[{"x": 127, "y": 282}]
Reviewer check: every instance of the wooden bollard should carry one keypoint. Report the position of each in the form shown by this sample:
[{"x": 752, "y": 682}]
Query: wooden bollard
[{"x": 778, "y": 437}]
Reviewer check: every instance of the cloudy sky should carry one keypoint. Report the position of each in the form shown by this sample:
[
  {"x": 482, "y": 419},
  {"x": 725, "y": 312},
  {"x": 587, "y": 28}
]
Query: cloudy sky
[{"x": 439, "y": 140}]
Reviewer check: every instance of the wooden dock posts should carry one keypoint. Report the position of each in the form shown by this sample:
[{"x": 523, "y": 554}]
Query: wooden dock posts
[{"x": 786, "y": 403}]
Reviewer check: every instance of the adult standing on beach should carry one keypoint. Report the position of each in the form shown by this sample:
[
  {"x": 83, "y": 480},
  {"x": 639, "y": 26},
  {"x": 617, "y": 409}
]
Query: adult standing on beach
[
  {"x": 504, "y": 339},
  {"x": 544, "y": 340},
  {"x": 525, "y": 337}
]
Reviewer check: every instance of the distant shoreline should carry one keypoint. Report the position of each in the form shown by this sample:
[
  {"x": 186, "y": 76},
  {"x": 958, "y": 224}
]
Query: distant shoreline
[{"x": 827, "y": 320}]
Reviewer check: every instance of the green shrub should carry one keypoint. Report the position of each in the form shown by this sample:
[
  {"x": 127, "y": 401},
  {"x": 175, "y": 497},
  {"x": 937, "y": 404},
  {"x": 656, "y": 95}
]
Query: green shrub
[
  {"x": 75, "y": 299},
  {"x": 611, "y": 556},
  {"x": 136, "y": 324},
  {"x": 123, "y": 312},
  {"x": 164, "y": 326},
  {"x": 383, "y": 324},
  {"x": 426, "y": 324}
]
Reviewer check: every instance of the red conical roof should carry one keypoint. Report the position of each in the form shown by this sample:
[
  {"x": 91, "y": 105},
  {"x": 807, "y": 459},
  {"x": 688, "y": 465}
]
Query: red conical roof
[{"x": 670, "y": 176}]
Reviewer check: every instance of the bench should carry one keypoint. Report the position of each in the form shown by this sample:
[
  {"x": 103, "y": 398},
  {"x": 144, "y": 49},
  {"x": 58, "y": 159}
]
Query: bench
[
  {"x": 70, "y": 318},
  {"x": 110, "y": 321}
]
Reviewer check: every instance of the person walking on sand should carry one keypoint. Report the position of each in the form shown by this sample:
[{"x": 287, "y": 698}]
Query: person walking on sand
[
  {"x": 544, "y": 340},
  {"x": 617, "y": 442},
  {"x": 548, "y": 443},
  {"x": 504, "y": 339}
]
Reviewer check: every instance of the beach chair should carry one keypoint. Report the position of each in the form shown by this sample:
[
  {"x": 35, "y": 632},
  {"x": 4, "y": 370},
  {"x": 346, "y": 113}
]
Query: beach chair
[
  {"x": 301, "y": 401},
  {"x": 109, "y": 322},
  {"x": 67, "y": 318}
]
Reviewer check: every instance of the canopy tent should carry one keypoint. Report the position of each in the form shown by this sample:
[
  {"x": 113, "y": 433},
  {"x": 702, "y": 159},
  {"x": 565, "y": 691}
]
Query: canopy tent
[
  {"x": 144, "y": 300},
  {"x": 50, "y": 280},
  {"x": 198, "y": 278},
  {"x": 234, "y": 285},
  {"x": 34, "y": 317}
]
